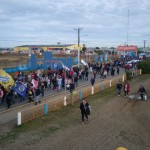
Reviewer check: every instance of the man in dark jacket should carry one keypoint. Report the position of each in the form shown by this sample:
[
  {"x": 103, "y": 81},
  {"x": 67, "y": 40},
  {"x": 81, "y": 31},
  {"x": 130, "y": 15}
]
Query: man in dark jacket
[
  {"x": 119, "y": 87},
  {"x": 84, "y": 107},
  {"x": 37, "y": 93},
  {"x": 142, "y": 91},
  {"x": 71, "y": 87},
  {"x": 8, "y": 98}
]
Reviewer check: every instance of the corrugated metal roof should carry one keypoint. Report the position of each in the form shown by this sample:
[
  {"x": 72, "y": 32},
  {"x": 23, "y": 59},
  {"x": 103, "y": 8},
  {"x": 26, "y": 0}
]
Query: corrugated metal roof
[{"x": 61, "y": 45}]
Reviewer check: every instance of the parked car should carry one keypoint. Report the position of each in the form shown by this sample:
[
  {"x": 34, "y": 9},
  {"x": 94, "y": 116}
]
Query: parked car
[{"x": 133, "y": 61}]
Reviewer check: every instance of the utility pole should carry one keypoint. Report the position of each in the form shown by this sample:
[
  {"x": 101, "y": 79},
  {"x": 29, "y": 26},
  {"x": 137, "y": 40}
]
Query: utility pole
[
  {"x": 79, "y": 29},
  {"x": 144, "y": 43}
]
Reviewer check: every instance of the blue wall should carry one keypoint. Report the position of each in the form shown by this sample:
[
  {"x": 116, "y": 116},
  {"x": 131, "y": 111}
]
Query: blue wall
[{"x": 44, "y": 64}]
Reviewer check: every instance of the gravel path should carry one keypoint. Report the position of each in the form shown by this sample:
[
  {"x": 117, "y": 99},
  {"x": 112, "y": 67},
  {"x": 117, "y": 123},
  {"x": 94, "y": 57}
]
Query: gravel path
[{"x": 115, "y": 121}]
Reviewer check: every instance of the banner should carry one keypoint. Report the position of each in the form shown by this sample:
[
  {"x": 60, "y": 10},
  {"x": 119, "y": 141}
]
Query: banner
[
  {"x": 5, "y": 79},
  {"x": 106, "y": 57},
  {"x": 96, "y": 58},
  {"x": 83, "y": 62},
  {"x": 20, "y": 89},
  {"x": 55, "y": 66},
  {"x": 101, "y": 57},
  {"x": 127, "y": 48}
]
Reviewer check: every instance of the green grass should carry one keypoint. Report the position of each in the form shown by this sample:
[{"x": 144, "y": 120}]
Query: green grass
[
  {"x": 7, "y": 138},
  {"x": 60, "y": 119},
  {"x": 53, "y": 122}
]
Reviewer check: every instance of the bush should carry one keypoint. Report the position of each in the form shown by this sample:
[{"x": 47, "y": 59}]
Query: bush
[
  {"x": 129, "y": 74},
  {"x": 145, "y": 66}
]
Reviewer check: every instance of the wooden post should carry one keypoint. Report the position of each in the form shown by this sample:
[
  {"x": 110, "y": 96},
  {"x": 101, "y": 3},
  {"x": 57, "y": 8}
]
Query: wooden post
[
  {"x": 140, "y": 71},
  {"x": 19, "y": 118},
  {"x": 92, "y": 90},
  {"x": 110, "y": 83},
  {"x": 123, "y": 78},
  {"x": 65, "y": 102}
]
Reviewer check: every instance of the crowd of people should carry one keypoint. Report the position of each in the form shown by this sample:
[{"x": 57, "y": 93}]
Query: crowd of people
[
  {"x": 56, "y": 80},
  {"x": 53, "y": 80}
]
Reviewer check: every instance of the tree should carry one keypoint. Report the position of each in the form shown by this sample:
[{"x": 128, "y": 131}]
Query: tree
[
  {"x": 97, "y": 47},
  {"x": 145, "y": 66}
]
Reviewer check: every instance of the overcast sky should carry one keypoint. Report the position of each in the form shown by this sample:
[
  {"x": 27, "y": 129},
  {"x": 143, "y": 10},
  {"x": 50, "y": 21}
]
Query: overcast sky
[{"x": 24, "y": 22}]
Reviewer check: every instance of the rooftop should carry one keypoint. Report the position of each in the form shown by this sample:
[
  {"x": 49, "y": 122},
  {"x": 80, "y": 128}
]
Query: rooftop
[{"x": 57, "y": 45}]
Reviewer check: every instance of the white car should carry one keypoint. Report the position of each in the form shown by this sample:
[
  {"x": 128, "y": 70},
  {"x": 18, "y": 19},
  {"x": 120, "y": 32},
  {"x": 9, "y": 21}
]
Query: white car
[{"x": 133, "y": 61}]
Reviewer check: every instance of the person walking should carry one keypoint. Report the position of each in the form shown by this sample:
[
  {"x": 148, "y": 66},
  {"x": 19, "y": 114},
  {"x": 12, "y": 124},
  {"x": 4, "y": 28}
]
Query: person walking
[
  {"x": 92, "y": 81},
  {"x": 71, "y": 87},
  {"x": 30, "y": 95},
  {"x": 86, "y": 74},
  {"x": 112, "y": 71},
  {"x": 126, "y": 89},
  {"x": 119, "y": 87},
  {"x": 84, "y": 107},
  {"x": 4, "y": 94},
  {"x": 104, "y": 74},
  {"x": 42, "y": 88},
  {"x": 76, "y": 81},
  {"x": 37, "y": 93},
  {"x": 59, "y": 82},
  {"x": 1, "y": 96},
  {"x": 8, "y": 98},
  {"x": 142, "y": 91},
  {"x": 118, "y": 70}
]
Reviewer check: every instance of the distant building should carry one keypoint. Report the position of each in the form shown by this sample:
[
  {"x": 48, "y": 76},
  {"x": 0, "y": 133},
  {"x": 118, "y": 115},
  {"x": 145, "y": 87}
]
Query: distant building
[
  {"x": 38, "y": 48},
  {"x": 127, "y": 50}
]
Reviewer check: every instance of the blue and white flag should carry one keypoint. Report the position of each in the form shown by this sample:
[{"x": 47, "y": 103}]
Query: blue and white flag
[
  {"x": 55, "y": 65},
  {"x": 20, "y": 89},
  {"x": 64, "y": 67}
]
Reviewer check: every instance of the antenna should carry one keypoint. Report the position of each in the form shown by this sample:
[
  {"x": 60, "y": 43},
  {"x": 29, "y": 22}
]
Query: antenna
[{"x": 128, "y": 28}]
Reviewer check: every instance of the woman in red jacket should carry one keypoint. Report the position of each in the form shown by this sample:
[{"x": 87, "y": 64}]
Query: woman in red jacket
[{"x": 126, "y": 89}]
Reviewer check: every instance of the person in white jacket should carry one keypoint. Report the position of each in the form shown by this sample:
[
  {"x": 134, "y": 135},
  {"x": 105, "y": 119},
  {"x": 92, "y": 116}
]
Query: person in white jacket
[{"x": 59, "y": 81}]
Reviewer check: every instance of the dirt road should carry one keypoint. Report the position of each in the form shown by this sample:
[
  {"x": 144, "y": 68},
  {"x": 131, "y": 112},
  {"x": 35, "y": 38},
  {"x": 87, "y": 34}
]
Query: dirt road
[{"x": 115, "y": 121}]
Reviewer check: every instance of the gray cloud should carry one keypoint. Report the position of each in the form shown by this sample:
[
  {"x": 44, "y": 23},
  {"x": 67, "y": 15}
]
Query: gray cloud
[{"x": 105, "y": 21}]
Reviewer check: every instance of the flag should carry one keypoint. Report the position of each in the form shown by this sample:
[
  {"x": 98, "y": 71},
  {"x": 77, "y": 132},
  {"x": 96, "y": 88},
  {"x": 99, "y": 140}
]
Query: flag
[
  {"x": 55, "y": 65},
  {"x": 20, "y": 89},
  {"x": 35, "y": 83},
  {"x": 83, "y": 62},
  {"x": 5, "y": 79},
  {"x": 65, "y": 67}
]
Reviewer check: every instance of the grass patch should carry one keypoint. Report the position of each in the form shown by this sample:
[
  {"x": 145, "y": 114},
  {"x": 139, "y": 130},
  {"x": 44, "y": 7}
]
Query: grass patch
[
  {"x": 7, "y": 138},
  {"x": 54, "y": 121},
  {"x": 62, "y": 118}
]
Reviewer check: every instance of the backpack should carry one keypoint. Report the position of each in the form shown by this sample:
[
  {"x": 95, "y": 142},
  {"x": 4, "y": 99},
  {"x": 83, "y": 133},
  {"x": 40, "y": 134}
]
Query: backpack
[{"x": 88, "y": 110}]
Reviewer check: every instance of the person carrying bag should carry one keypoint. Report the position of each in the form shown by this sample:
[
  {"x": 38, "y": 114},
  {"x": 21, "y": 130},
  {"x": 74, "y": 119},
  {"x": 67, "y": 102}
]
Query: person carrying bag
[{"x": 85, "y": 110}]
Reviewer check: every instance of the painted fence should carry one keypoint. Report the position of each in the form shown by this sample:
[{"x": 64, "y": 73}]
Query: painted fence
[{"x": 56, "y": 103}]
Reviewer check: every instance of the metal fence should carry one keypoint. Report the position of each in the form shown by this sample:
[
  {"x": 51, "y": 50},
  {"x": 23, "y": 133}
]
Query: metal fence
[{"x": 50, "y": 105}]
